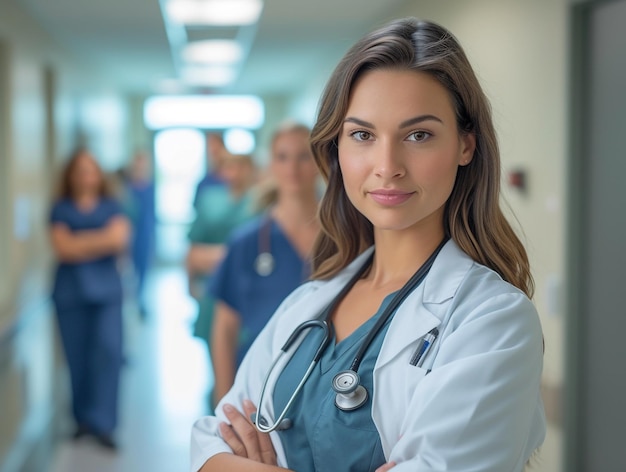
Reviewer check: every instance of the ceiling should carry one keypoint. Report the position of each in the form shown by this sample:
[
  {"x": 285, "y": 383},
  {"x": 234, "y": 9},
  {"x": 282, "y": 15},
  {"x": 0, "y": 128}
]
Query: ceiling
[{"x": 126, "y": 41}]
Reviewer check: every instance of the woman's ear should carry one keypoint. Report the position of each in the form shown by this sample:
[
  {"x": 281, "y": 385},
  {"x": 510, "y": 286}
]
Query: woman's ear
[{"x": 468, "y": 146}]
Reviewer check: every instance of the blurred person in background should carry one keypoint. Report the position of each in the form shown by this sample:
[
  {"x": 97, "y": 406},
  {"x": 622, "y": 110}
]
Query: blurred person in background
[
  {"x": 88, "y": 232},
  {"x": 220, "y": 208},
  {"x": 140, "y": 207},
  {"x": 267, "y": 257},
  {"x": 216, "y": 154}
]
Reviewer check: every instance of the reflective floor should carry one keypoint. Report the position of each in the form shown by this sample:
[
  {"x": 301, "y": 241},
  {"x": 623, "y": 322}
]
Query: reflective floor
[{"x": 163, "y": 389}]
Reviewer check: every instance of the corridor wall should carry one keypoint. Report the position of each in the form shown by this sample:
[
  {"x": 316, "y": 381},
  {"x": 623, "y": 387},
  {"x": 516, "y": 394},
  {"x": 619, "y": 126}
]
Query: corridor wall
[{"x": 44, "y": 92}]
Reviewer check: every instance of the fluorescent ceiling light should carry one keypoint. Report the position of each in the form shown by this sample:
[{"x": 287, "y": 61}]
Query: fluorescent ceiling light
[
  {"x": 239, "y": 141},
  {"x": 220, "y": 51},
  {"x": 215, "y": 12},
  {"x": 204, "y": 111},
  {"x": 212, "y": 76}
]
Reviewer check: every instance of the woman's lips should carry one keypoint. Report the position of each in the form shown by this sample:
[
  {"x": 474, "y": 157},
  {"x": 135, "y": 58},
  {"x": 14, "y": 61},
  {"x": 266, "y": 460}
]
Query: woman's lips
[{"x": 390, "y": 197}]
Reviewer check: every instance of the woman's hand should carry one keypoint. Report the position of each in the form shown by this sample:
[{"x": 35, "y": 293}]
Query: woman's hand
[
  {"x": 385, "y": 467},
  {"x": 243, "y": 437}
]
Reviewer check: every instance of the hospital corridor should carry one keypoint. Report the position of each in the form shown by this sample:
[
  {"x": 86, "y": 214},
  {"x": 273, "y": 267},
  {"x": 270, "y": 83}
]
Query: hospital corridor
[{"x": 171, "y": 171}]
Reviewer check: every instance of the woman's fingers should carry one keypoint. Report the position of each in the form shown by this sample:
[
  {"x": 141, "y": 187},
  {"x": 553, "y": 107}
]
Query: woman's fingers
[
  {"x": 266, "y": 448},
  {"x": 228, "y": 435},
  {"x": 246, "y": 434},
  {"x": 385, "y": 467}
]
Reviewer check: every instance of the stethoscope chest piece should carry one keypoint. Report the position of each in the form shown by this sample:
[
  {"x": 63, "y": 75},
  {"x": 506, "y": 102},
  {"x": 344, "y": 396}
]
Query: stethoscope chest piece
[
  {"x": 264, "y": 264},
  {"x": 350, "y": 393}
]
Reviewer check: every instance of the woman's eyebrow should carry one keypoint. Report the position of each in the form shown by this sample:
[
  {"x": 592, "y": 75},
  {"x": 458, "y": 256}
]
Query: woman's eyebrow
[
  {"x": 405, "y": 124},
  {"x": 419, "y": 119},
  {"x": 351, "y": 119}
]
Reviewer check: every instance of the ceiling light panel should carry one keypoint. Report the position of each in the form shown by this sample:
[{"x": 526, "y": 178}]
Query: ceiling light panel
[
  {"x": 212, "y": 76},
  {"x": 202, "y": 111},
  {"x": 215, "y": 51},
  {"x": 215, "y": 12}
]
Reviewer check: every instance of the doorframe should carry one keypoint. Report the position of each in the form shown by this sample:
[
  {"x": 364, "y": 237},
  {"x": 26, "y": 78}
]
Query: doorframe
[{"x": 577, "y": 265}]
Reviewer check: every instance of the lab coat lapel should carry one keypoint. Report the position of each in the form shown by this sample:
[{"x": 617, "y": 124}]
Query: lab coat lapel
[{"x": 426, "y": 307}]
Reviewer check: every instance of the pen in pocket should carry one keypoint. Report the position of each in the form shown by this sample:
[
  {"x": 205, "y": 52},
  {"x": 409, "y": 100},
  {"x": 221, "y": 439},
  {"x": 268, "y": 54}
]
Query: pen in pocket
[{"x": 418, "y": 357}]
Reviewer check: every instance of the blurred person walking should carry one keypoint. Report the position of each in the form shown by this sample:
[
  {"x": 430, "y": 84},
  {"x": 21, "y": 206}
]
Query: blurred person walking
[
  {"x": 140, "y": 207},
  {"x": 268, "y": 257},
  {"x": 220, "y": 208},
  {"x": 88, "y": 231},
  {"x": 216, "y": 155}
]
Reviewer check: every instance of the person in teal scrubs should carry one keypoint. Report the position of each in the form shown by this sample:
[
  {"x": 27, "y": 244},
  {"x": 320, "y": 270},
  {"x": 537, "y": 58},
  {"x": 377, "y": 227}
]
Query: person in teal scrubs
[
  {"x": 268, "y": 257},
  {"x": 88, "y": 231},
  {"x": 219, "y": 210}
]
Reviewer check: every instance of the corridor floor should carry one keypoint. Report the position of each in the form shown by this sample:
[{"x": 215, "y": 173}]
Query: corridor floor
[{"x": 163, "y": 389}]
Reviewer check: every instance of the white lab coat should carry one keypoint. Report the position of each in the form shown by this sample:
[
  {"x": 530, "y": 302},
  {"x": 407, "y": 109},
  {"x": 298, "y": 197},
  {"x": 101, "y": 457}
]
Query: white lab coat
[{"x": 479, "y": 409}]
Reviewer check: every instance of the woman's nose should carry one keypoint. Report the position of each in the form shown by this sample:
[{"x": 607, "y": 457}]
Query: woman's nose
[{"x": 388, "y": 160}]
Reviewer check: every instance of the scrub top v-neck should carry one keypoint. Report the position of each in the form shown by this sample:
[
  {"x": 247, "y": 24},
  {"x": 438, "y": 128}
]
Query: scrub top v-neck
[{"x": 323, "y": 437}]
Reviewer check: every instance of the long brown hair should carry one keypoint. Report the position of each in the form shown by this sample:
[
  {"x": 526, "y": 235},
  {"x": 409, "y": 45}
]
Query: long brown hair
[
  {"x": 472, "y": 218},
  {"x": 66, "y": 188}
]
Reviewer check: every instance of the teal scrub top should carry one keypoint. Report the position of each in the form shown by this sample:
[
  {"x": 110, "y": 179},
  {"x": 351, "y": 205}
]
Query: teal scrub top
[
  {"x": 217, "y": 215},
  {"x": 322, "y": 437}
]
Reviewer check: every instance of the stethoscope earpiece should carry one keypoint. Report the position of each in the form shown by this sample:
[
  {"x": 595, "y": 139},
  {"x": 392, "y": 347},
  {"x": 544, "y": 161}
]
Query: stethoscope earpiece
[{"x": 350, "y": 393}]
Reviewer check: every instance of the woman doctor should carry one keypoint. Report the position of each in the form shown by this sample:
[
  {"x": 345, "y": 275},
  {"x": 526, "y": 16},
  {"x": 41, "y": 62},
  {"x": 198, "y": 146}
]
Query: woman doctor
[{"x": 451, "y": 376}]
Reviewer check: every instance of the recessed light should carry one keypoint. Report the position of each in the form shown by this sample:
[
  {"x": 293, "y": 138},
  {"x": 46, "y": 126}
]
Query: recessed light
[
  {"x": 215, "y": 12},
  {"x": 214, "y": 51},
  {"x": 215, "y": 76},
  {"x": 204, "y": 111}
]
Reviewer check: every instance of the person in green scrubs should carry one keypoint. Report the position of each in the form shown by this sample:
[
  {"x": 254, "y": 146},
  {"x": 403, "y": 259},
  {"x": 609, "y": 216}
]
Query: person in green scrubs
[{"x": 219, "y": 209}]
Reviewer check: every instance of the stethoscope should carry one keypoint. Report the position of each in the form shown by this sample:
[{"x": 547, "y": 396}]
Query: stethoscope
[
  {"x": 264, "y": 262},
  {"x": 349, "y": 393}
]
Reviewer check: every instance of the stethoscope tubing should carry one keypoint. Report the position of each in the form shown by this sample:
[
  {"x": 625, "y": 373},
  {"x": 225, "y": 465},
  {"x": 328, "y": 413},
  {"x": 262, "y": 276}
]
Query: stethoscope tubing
[
  {"x": 296, "y": 334},
  {"x": 322, "y": 322}
]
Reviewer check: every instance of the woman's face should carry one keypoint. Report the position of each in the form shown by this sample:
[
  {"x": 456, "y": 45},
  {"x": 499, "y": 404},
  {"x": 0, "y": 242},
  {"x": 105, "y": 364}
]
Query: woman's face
[
  {"x": 86, "y": 176},
  {"x": 292, "y": 164},
  {"x": 399, "y": 150},
  {"x": 238, "y": 172}
]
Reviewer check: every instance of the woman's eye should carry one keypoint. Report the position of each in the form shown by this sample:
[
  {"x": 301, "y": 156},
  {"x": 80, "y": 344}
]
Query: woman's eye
[
  {"x": 361, "y": 135},
  {"x": 419, "y": 136}
]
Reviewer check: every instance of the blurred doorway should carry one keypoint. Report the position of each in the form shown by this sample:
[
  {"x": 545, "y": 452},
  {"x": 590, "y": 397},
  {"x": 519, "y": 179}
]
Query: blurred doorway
[{"x": 179, "y": 159}]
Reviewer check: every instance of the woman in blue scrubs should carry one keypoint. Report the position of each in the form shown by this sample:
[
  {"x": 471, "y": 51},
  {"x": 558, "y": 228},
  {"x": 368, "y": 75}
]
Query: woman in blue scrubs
[
  {"x": 267, "y": 258},
  {"x": 88, "y": 231}
]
